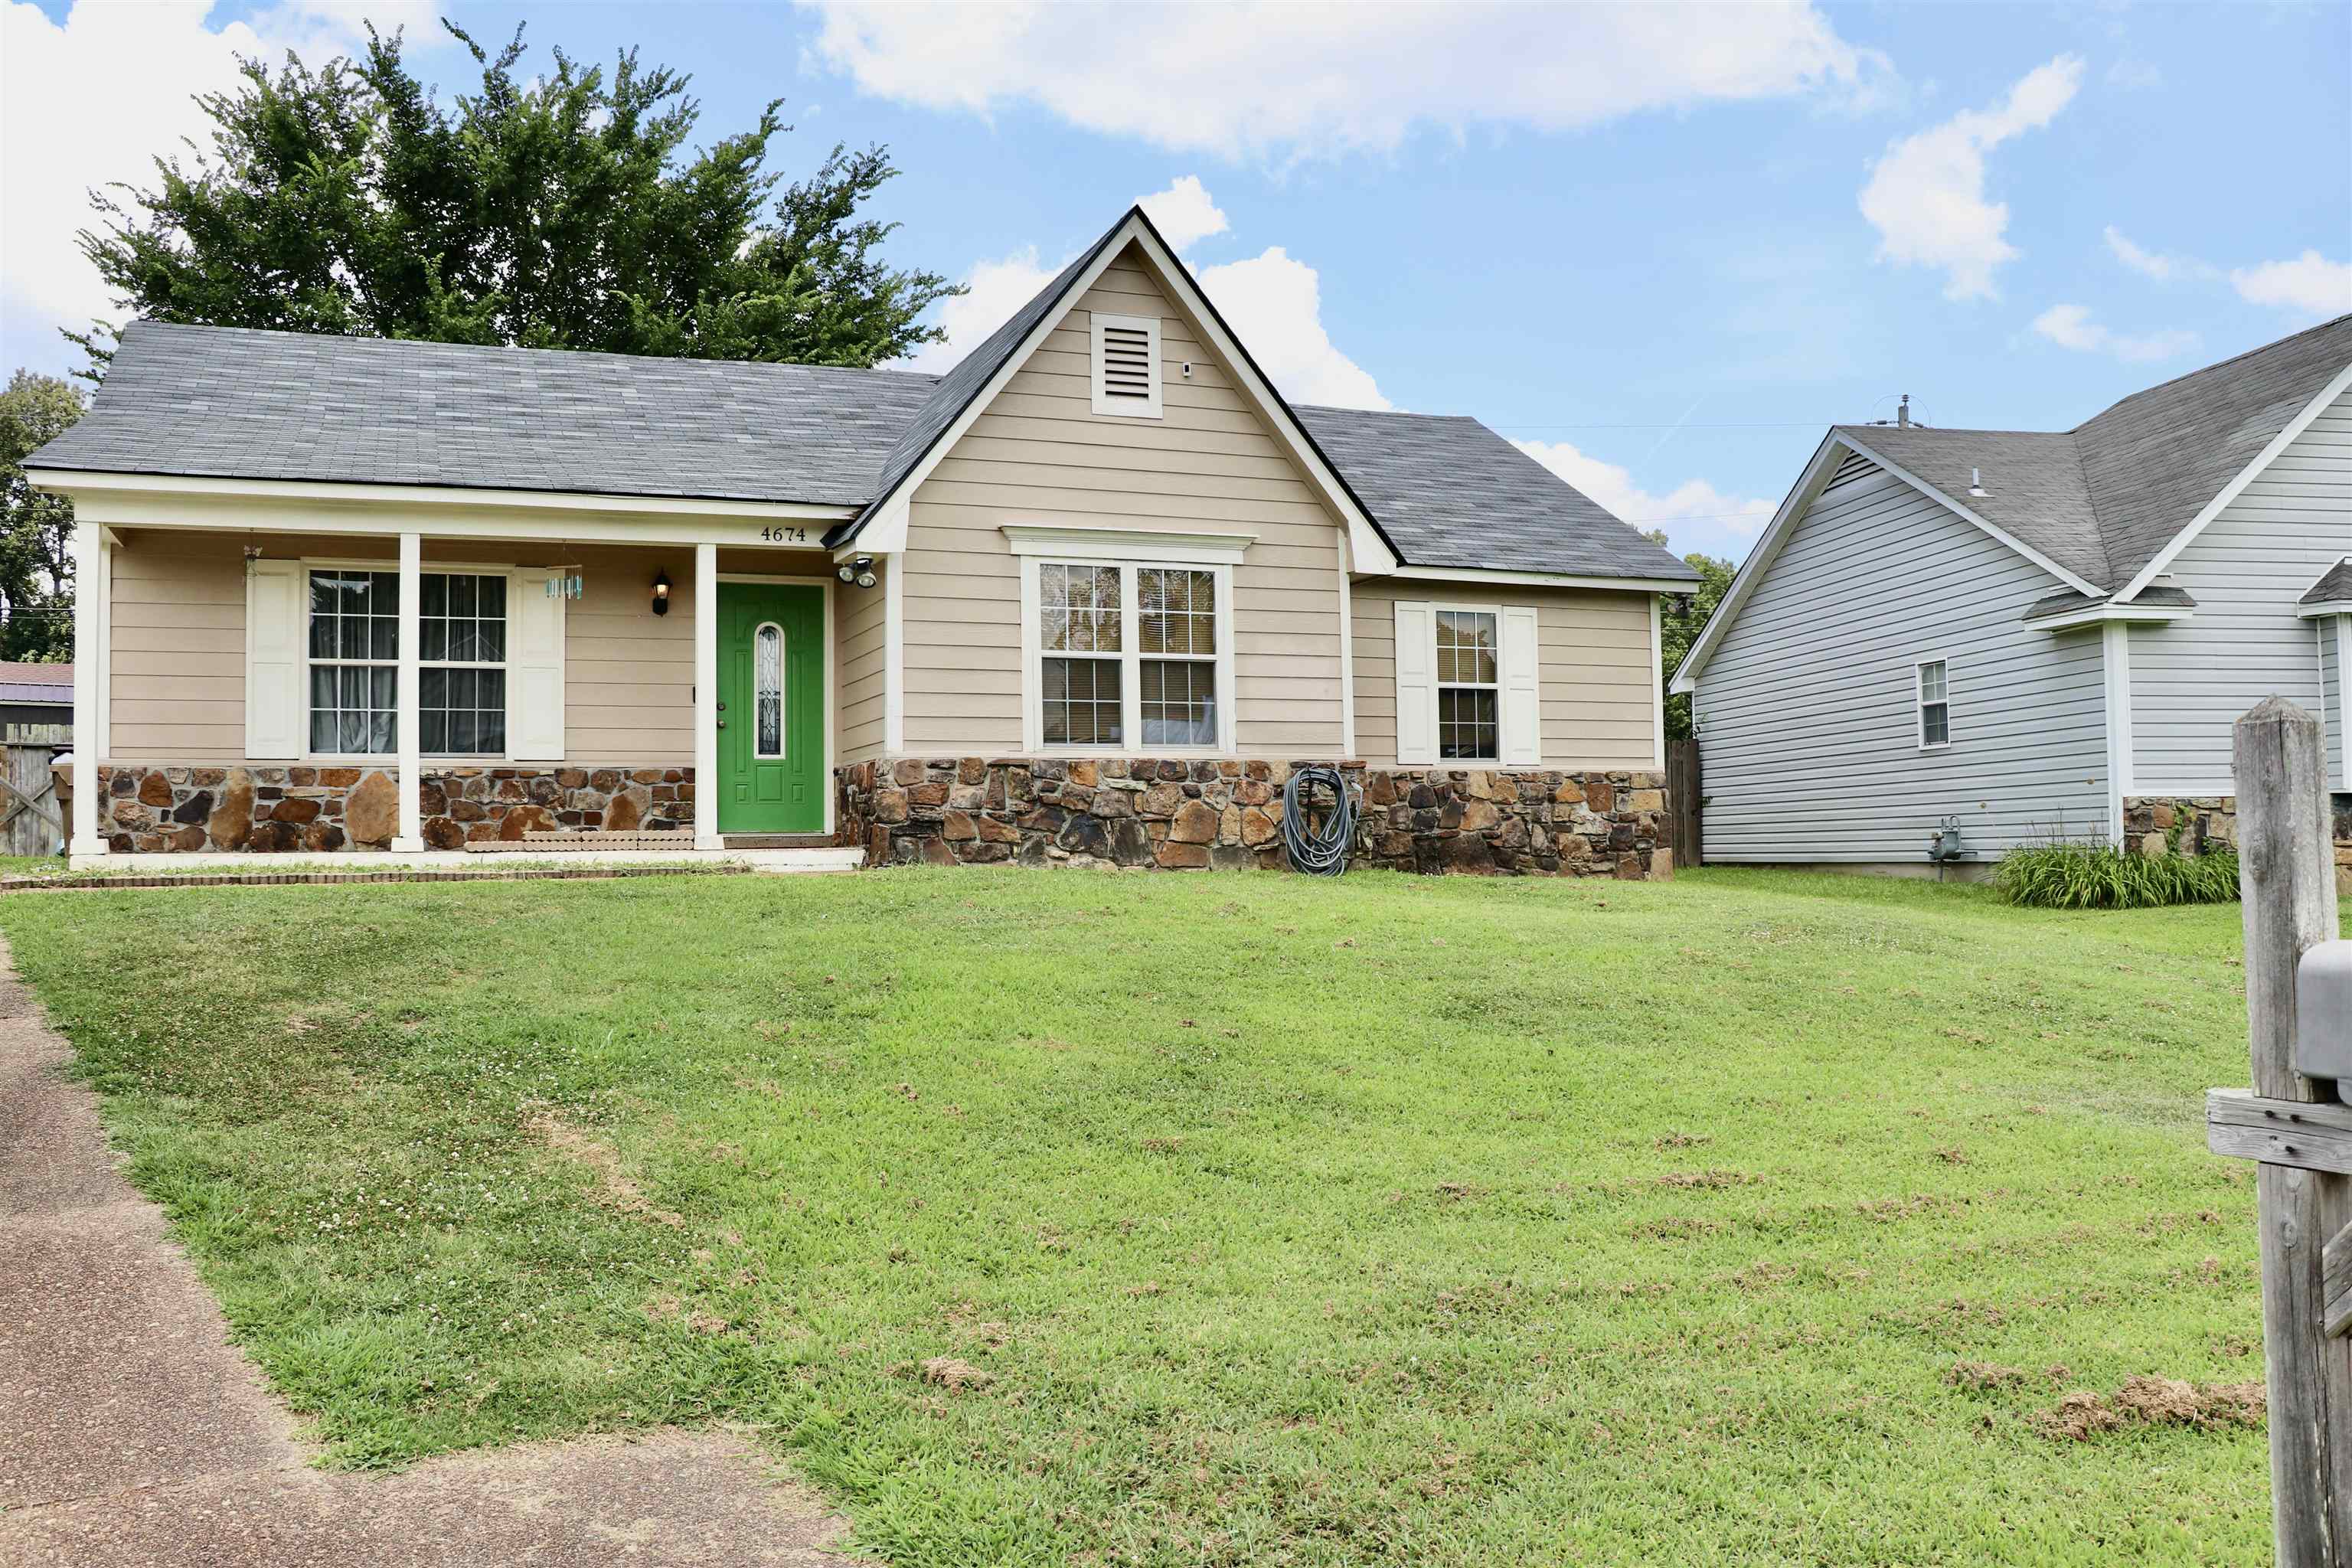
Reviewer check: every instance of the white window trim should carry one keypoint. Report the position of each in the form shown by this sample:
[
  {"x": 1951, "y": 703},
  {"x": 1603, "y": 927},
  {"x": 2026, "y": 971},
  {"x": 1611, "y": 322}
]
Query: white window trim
[
  {"x": 783, "y": 691},
  {"x": 1438, "y": 683},
  {"x": 1033, "y": 653},
  {"x": 1919, "y": 703},
  {"x": 392, "y": 759},
  {"x": 1124, "y": 408}
]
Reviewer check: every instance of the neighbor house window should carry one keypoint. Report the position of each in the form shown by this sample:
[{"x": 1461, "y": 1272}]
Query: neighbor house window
[
  {"x": 1129, "y": 654},
  {"x": 354, "y": 660},
  {"x": 1934, "y": 704},
  {"x": 1469, "y": 698},
  {"x": 462, "y": 646}
]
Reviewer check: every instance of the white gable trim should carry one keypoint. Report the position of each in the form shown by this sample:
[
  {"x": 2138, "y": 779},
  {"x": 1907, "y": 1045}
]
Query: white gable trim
[
  {"x": 1826, "y": 461},
  {"x": 2231, "y": 492},
  {"x": 886, "y": 530}
]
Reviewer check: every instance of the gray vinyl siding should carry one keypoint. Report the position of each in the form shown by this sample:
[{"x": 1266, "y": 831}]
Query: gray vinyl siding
[
  {"x": 1807, "y": 718},
  {"x": 2191, "y": 679}
]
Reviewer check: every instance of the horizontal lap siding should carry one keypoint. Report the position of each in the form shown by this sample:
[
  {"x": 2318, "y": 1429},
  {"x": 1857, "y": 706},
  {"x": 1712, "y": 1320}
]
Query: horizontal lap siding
[
  {"x": 861, "y": 651},
  {"x": 1597, "y": 682},
  {"x": 1808, "y": 723},
  {"x": 2335, "y": 630},
  {"x": 178, "y": 654},
  {"x": 2191, "y": 679},
  {"x": 1041, "y": 455}
]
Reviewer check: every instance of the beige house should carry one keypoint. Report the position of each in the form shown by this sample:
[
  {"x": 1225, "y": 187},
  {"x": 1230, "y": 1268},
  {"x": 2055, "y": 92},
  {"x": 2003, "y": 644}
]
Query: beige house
[{"x": 1086, "y": 597}]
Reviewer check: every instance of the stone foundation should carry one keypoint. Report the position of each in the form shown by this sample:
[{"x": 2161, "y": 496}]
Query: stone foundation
[
  {"x": 1203, "y": 813},
  {"x": 2213, "y": 819},
  {"x": 163, "y": 809}
]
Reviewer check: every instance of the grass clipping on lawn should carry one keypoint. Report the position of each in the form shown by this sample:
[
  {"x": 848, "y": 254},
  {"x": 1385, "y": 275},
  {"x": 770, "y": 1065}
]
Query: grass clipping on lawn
[{"x": 1213, "y": 1221}]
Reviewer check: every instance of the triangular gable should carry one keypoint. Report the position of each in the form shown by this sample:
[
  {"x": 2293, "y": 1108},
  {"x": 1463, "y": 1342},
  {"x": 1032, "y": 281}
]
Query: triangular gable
[
  {"x": 965, "y": 393},
  {"x": 1827, "y": 459}
]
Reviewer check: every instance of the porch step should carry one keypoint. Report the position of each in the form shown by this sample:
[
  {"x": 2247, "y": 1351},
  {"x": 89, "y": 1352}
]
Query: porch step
[
  {"x": 778, "y": 841},
  {"x": 562, "y": 843}
]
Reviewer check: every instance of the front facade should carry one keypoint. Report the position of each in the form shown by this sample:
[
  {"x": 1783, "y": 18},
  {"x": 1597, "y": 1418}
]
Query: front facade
[
  {"x": 2032, "y": 636},
  {"x": 1088, "y": 598}
]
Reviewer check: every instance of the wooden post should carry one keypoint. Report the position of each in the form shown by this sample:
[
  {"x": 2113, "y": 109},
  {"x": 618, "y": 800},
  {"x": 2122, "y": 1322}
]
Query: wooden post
[{"x": 2287, "y": 875}]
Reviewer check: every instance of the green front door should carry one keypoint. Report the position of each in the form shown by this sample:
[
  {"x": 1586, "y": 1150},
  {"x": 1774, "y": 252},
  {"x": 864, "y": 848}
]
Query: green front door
[{"x": 770, "y": 708}]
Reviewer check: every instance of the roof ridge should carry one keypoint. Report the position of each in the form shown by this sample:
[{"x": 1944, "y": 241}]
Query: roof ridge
[{"x": 2217, "y": 364}]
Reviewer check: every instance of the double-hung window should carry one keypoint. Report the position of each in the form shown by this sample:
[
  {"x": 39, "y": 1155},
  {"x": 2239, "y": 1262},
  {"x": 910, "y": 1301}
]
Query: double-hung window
[
  {"x": 1469, "y": 686},
  {"x": 354, "y": 657},
  {"x": 1130, "y": 656},
  {"x": 1935, "y": 690}
]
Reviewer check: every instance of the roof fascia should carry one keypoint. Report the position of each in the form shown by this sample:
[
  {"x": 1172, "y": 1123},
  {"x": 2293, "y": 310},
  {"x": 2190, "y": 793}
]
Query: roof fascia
[
  {"x": 2098, "y": 614},
  {"x": 2078, "y": 583},
  {"x": 2246, "y": 475},
  {"x": 1809, "y": 485},
  {"x": 2323, "y": 608},
  {"x": 79, "y": 482},
  {"x": 1542, "y": 579}
]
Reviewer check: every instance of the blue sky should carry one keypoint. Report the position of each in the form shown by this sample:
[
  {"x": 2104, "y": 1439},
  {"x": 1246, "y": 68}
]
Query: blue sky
[{"x": 1665, "y": 246}]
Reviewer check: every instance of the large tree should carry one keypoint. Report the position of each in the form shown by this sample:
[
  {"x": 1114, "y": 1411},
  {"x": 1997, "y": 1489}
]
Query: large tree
[
  {"x": 36, "y": 530},
  {"x": 1680, "y": 621},
  {"x": 562, "y": 210}
]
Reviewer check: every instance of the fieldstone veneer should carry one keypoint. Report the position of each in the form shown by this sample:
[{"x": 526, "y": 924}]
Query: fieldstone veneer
[
  {"x": 1187, "y": 814},
  {"x": 2213, "y": 820},
  {"x": 160, "y": 810}
]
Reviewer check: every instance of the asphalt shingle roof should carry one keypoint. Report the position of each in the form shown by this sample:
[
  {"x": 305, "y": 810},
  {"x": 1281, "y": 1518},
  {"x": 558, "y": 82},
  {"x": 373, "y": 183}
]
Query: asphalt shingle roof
[
  {"x": 1450, "y": 492},
  {"x": 2335, "y": 585},
  {"x": 2159, "y": 596},
  {"x": 49, "y": 683},
  {"x": 238, "y": 404},
  {"x": 2104, "y": 498},
  {"x": 233, "y": 402}
]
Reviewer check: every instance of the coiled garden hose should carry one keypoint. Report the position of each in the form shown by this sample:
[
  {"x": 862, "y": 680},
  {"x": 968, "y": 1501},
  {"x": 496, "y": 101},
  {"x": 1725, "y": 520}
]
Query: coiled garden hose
[{"x": 1317, "y": 851}]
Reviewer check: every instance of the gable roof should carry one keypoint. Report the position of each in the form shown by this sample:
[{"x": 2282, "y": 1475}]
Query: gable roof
[
  {"x": 51, "y": 684},
  {"x": 2334, "y": 587},
  {"x": 1449, "y": 491},
  {"x": 2108, "y": 497},
  {"x": 236, "y": 402},
  {"x": 1441, "y": 492}
]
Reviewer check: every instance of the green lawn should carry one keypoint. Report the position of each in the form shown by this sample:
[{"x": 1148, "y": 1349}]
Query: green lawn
[{"x": 1399, "y": 1221}]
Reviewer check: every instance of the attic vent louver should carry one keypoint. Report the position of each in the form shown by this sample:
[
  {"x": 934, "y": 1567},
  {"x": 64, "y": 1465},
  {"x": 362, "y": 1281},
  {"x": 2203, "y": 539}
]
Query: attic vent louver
[{"x": 1127, "y": 365}]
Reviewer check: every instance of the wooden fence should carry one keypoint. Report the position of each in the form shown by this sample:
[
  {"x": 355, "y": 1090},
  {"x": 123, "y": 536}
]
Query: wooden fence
[
  {"x": 32, "y": 819},
  {"x": 1685, "y": 802},
  {"x": 2300, "y": 1130}
]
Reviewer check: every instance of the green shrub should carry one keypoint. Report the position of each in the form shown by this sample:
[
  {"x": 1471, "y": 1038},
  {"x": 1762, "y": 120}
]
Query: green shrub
[{"x": 2102, "y": 877}]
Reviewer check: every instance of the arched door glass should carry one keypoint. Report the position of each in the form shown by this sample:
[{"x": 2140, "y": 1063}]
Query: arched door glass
[{"x": 768, "y": 689}]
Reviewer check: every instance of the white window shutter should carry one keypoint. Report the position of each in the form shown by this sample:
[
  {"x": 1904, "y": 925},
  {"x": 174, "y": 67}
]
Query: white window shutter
[
  {"x": 277, "y": 711},
  {"x": 1416, "y": 683},
  {"x": 1522, "y": 704},
  {"x": 534, "y": 671}
]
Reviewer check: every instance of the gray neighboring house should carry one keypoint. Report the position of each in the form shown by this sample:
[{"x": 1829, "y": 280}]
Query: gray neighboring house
[{"x": 2037, "y": 634}]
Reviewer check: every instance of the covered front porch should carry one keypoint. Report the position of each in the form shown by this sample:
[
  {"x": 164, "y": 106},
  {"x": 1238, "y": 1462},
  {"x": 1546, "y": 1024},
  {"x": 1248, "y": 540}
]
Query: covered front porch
[{"x": 309, "y": 683}]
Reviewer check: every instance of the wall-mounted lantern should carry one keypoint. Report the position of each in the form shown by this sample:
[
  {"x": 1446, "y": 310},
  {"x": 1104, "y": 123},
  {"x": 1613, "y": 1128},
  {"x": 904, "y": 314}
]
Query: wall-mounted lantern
[
  {"x": 860, "y": 572},
  {"x": 661, "y": 592}
]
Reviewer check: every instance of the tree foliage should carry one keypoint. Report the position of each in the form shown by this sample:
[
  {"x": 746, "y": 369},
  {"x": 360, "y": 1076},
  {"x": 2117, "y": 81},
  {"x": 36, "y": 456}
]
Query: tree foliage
[
  {"x": 36, "y": 530},
  {"x": 556, "y": 211},
  {"x": 1681, "y": 620}
]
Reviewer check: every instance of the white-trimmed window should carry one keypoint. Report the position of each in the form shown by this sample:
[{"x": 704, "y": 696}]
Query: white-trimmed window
[
  {"x": 1124, "y": 365},
  {"x": 1935, "y": 690},
  {"x": 1122, "y": 654},
  {"x": 1469, "y": 686},
  {"x": 354, "y": 662}
]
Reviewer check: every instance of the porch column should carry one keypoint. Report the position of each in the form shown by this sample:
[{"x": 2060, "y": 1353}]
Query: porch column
[
  {"x": 409, "y": 837},
  {"x": 706, "y": 697},
  {"x": 90, "y": 654}
]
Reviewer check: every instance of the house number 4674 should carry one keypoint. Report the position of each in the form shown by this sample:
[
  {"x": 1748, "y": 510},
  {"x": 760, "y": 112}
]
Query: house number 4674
[{"x": 775, "y": 535}]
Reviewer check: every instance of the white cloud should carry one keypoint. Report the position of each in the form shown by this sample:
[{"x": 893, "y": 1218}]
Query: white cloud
[
  {"x": 1695, "y": 514},
  {"x": 1274, "y": 302},
  {"x": 2163, "y": 268},
  {"x": 1319, "y": 80},
  {"x": 2309, "y": 282},
  {"x": 2130, "y": 73},
  {"x": 145, "y": 62},
  {"x": 2071, "y": 326},
  {"x": 996, "y": 290},
  {"x": 1183, "y": 212},
  {"x": 1927, "y": 195}
]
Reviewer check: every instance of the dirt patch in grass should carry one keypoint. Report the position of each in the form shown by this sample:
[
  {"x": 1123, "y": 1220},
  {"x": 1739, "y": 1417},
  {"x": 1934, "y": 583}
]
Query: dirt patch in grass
[
  {"x": 2153, "y": 1402},
  {"x": 614, "y": 1188}
]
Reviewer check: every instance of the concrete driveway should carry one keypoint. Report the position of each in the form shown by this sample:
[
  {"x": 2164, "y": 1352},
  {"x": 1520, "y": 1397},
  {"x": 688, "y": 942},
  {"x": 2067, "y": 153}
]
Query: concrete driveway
[{"x": 132, "y": 1433}]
